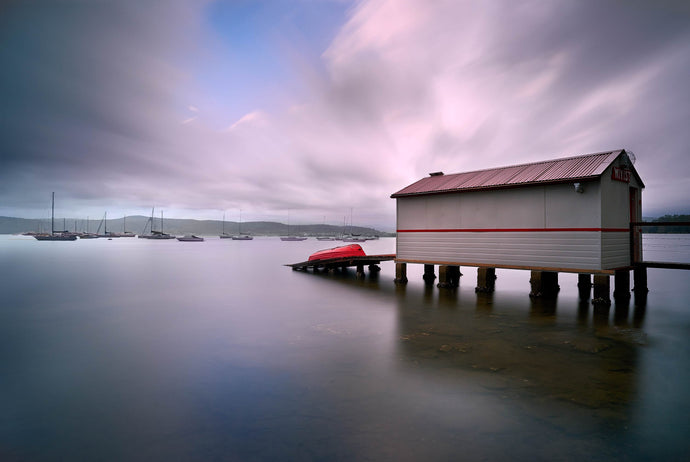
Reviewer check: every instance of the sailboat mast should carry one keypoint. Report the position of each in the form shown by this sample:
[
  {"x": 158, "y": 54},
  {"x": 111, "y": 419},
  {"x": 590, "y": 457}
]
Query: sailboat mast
[{"x": 52, "y": 215}]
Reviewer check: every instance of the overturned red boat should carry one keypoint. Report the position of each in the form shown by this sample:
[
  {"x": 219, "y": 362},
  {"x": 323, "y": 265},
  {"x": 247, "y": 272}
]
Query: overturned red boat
[{"x": 345, "y": 251}]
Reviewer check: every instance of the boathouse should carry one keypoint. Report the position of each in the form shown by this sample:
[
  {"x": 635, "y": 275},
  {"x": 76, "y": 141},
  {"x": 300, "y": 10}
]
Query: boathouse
[{"x": 564, "y": 215}]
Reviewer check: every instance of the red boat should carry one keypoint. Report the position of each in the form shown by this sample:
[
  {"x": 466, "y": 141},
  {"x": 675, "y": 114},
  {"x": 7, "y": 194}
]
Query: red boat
[{"x": 345, "y": 251}]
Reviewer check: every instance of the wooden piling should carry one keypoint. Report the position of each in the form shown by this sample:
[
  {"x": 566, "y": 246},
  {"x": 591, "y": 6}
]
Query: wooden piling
[
  {"x": 584, "y": 285},
  {"x": 448, "y": 276},
  {"x": 621, "y": 284},
  {"x": 454, "y": 275},
  {"x": 544, "y": 284},
  {"x": 640, "y": 280},
  {"x": 486, "y": 280},
  {"x": 360, "y": 271},
  {"x": 443, "y": 280},
  {"x": 429, "y": 275},
  {"x": 602, "y": 290},
  {"x": 400, "y": 273}
]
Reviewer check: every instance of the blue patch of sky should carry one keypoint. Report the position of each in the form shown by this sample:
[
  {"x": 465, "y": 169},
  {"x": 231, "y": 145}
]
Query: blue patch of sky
[{"x": 256, "y": 50}]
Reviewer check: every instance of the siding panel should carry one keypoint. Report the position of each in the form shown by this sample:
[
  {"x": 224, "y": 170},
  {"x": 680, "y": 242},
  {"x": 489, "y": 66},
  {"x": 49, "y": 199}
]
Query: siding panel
[
  {"x": 561, "y": 249},
  {"x": 615, "y": 250}
]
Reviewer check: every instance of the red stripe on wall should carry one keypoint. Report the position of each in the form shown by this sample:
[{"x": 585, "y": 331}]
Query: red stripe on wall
[{"x": 513, "y": 230}]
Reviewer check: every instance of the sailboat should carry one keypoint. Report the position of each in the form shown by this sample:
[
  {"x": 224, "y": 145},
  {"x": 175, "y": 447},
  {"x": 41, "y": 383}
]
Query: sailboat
[
  {"x": 224, "y": 235},
  {"x": 240, "y": 236},
  {"x": 325, "y": 238},
  {"x": 155, "y": 234},
  {"x": 160, "y": 234},
  {"x": 106, "y": 233},
  {"x": 142, "y": 234},
  {"x": 290, "y": 237},
  {"x": 87, "y": 234},
  {"x": 124, "y": 232},
  {"x": 190, "y": 238},
  {"x": 351, "y": 237},
  {"x": 53, "y": 236}
]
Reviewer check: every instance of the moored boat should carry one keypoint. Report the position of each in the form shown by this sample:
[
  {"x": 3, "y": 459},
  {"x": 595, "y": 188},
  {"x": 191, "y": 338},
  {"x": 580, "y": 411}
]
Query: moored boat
[
  {"x": 240, "y": 236},
  {"x": 190, "y": 238},
  {"x": 223, "y": 234},
  {"x": 124, "y": 232},
  {"x": 55, "y": 235},
  {"x": 290, "y": 237},
  {"x": 353, "y": 238},
  {"x": 155, "y": 235},
  {"x": 345, "y": 251}
]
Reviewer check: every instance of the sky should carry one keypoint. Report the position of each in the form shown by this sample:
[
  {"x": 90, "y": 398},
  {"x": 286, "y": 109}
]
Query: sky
[{"x": 318, "y": 110}]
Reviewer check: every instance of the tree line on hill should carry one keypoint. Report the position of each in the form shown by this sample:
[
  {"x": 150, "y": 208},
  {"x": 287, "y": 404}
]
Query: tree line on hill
[
  {"x": 675, "y": 229},
  {"x": 139, "y": 224}
]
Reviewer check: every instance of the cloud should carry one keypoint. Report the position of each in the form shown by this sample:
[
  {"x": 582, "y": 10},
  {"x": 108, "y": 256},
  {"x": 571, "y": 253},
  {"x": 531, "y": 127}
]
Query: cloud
[
  {"x": 99, "y": 103},
  {"x": 466, "y": 85},
  {"x": 255, "y": 118}
]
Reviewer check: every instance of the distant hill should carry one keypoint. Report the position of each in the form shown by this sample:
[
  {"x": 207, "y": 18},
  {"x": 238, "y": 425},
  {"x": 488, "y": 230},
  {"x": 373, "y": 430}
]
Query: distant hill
[
  {"x": 137, "y": 223},
  {"x": 669, "y": 229}
]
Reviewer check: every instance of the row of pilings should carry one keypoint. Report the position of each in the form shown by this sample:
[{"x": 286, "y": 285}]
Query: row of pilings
[{"x": 544, "y": 284}]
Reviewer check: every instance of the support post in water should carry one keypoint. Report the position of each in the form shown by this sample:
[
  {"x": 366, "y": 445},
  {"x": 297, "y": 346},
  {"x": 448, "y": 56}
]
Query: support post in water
[
  {"x": 429, "y": 274},
  {"x": 621, "y": 284},
  {"x": 360, "y": 271},
  {"x": 486, "y": 280},
  {"x": 454, "y": 276},
  {"x": 448, "y": 276},
  {"x": 640, "y": 285},
  {"x": 443, "y": 277},
  {"x": 602, "y": 290},
  {"x": 584, "y": 285},
  {"x": 401, "y": 273},
  {"x": 544, "y": 284}
]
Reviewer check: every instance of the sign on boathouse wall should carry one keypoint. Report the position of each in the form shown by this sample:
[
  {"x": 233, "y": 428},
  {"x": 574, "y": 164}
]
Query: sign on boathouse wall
[{"x": 620, "y": 174}]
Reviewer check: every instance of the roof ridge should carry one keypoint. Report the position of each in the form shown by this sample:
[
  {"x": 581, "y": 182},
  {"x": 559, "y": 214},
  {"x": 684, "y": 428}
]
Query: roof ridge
[{"x": 539, "y": 162}]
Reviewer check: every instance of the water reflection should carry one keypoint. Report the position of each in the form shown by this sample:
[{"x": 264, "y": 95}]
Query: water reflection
[
  {"x": 621, "y": 312},
  {"x": 563, "y": 372},
  {"x": 544, "y": 307},
  {"x": 523, "y": 352},
  {"x": 221, "y": 353}
]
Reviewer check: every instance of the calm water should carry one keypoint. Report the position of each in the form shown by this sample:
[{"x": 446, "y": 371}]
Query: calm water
[{"x": 133, "y": 349}]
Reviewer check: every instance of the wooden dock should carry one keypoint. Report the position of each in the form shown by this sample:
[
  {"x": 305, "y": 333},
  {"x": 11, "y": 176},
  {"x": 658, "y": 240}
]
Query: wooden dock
[
  {"x": 339, "y": 263},
  {"x": 663, "y": 265}
]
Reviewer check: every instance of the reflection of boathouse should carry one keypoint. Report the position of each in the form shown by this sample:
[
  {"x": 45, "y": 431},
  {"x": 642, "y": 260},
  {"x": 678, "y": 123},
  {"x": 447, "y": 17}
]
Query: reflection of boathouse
[{"x": 563, "y": 215}]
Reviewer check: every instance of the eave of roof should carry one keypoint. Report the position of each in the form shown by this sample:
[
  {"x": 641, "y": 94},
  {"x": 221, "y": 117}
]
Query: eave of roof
[{"x": 576, "y": 168}]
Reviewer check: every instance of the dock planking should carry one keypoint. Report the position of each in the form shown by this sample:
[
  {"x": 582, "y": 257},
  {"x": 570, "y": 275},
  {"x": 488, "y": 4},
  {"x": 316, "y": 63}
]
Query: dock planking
[
  {"x": 329, "y": 263},
  {"x": 663, "y": 265}
]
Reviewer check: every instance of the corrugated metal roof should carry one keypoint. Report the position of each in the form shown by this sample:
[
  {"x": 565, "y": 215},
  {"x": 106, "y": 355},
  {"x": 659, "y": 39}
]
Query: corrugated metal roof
[{"x": 550, "y": 171}]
